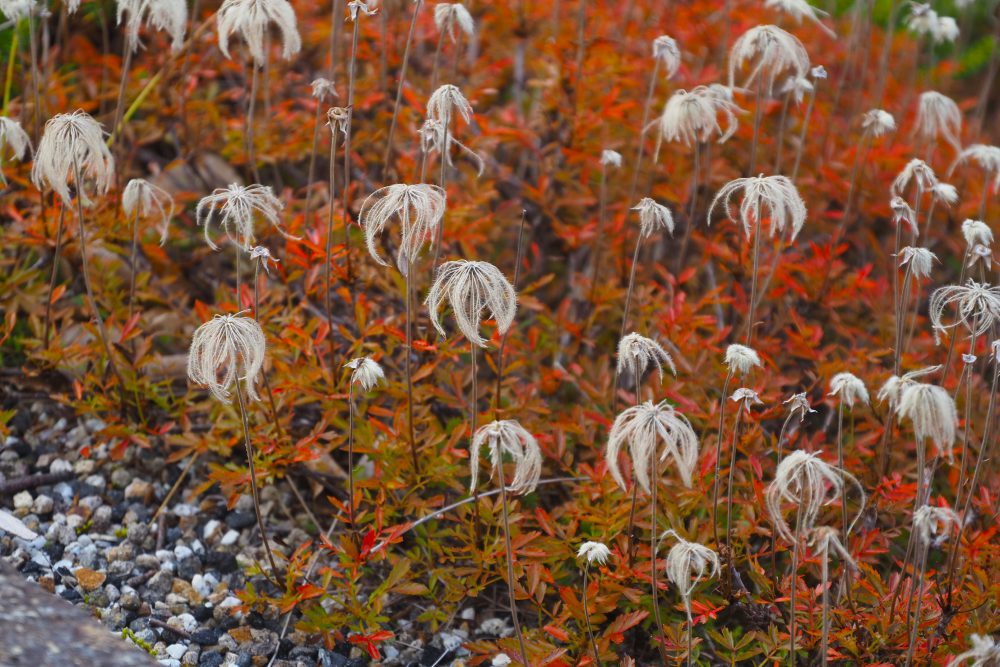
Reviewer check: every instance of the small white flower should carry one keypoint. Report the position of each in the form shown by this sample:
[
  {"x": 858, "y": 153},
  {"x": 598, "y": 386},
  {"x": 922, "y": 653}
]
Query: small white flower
[
  {"x": 666, "y": 51},
  {"x": 144, "y": 199},
  {"x": 818, "y": 72},
  {"x": 921, "y": 261},
  {"x": 764, "y": 197},
  {"x": 770, "y": 52},
  {"x": 17, "y": 10},
  {"x": 611, "y": 158},
  {"x": 653, "y": 217},
  {"x": 356, "y": 7},
  {"x": 637, "y": 354},
  {"x": 366, "y": 372},
  {"x": 892, "y": 389},
  {"x": 432, "y": 138},
  {"x": 252, "y": 19},
  {"x": 938, "y": 115},
  {"x": 797, "y": 87},
  {"x": 946, "y": 30},
  {"x": 233, "y": 345},
  {"x": 849, "y": 388},
  {"x": 945, "y": 194},
  {"x": 878, "y": 122},
  {"x": 799, "y": 403},
  {"x": 981, "y": 253},
  {"x": 969, "y": 359},
  {"x": 596, "y": 553},
  {"x": 741, "y": 359},
  {"x": 338, "y": 119},
  {"x": 449, "y": 15}
]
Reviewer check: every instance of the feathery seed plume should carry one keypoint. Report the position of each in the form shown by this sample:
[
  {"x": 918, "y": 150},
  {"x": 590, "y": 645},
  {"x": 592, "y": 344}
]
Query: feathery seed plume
[
  {"x": 653, "y": 217},
  {"x": 643, "y": 427},
  {"x": 236, "y": 207},
  {"x": 419, "y": 209},
  {"x": 470, "y": 288},
  {"x": 741, "y": 359},
  {"x": 167, "y": 15},
  {"x": 688, "y": 563},
  {"x": 777, "y": 54},
  {"x": 773, "y": 197},
  {"x": 251, "y": 18},
  {"x": 595, "y": 553},
  {"x": 366, "y": 372},
  {"x": 637, "y": 354},
  {"x": 978, "y": 307},
  {"x": 146, "y": 200},
  {"x": 877, "y": 123},
  {"x": 666, "y": 50},
  {"x": 233, "y": 345},
  {"x": 73, "y": 141},
  {"x": 849, "y": 388},
  {"x": 921, "y": 261},
  {"x": 932, "y": 411},
  {"x": 938, "y": 115},
  {"x": 451, "y": 15},
  {"x": 508, "y": 437}
]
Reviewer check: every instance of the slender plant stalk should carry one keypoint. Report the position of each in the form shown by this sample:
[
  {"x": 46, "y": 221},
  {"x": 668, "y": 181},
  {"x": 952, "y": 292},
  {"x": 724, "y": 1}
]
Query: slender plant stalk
[
  {"x": 640, "y": 151},
  {"x": 661, "y": 639},
  {"x": 350, "y": 464},
  {"x": 133, "y": 262},
  {"x": 347, "y": 145},
  {"x": 474, "y": 398},
  {"x": 916, "y": 611},
  {"x": 753, "y": 282},
  {"x": 35, "y": 84},
  {"x": 586, "y": 617},
  {"x": 729, "y": 494},
  {"x": 967, "y": 424},
  {"x": 311, "y": 175},
  {"x": 52, "y": 278},
  {"x": 794, "y": 587},
  {"x": 840, "y": 463},
  {"x": 599, "y": 240},
  {"x": 690, "y": 633},
  {"x": 253, "y": 477},
  {"x": 510, "y": 566},
  {"x": 437, "y": 62},
  {"x": 756, "y": 125},
  {"x": 328, "y": 268},
  {"x": 387, "y": 160},
  {"x": 718, "y": 457},
  {"x": 251, "y": 140},
  {"x": 336, "y": 19},
  {"x": 628, "y": 292},
  {"x": 116, "y": 127},
  {"x": 782, "y": 122},
  {"x": 503, "y": 337},
  {"x": 825, "y": 587},
  {"x": 954, "y": 337},
  {"x": 692, "y": 207},
  {"x": 800, "y": 149},
  {"x": 860, "y": 157},
  {"x": 442, "y": 182},
  {"x": 774, "y": 546},
  {"x": 630, "y": 532},
  {"x": 267, "y": 383},
  {"x": 8, "y": 82},
  {"x": 101, "y": 329},
  {"x": 409, "y": 373}
]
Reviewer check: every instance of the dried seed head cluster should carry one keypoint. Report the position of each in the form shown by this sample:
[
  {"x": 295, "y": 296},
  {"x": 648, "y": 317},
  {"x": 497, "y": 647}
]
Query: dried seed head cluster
[
  {"x": 638, "y": 354},
  {"x": 903, "y": 212},
  {"x": 770, "y": 53},
  {"x": 809, "y": 483},
  {"x": 323, "y": 89},
  {"x": 14, "y": 136},
  {"x": 747, "y": 396},
  {"x": 145, "y": 200},
  {"x": 611, "y": 158},
  {"x": 693, "y": 117},
  {"x": 988, "y": 159},
  {"x": 799, "y": 10},
  {"x": 237, "y": 207},
  {"x": 917, "y": 172},
  {"x": 17, "y": 10},
  {"x": 338, "y": 119},
  {"x": 932, "y": 525},
  {"x": 797, "y": 87},
  {"x": 419, "y": 209},
  {"x": 471, "y": 288},
  {"x": 798, "y": 404},
  {"x": 595, "y": 553},
  {"x": 689, "y": 563},
  {"x": 653, "y": 433},
  {"x": 263, "y": 257},
  {"x": 877, "y": 123},
  {"x": 771, "y": 197},
  {"x": 932, "y": 411},
  {"x": 446, "y": 103},
  {"x": 945, "y": 193},
  {"x": 666, "y": 51},
  {"x": 653, "y": 217},
  {"x": 432, "y": 138},
  {"x": 232, "y": 346},
  {"x": 741, "y": 359},
  {"x": 73, "y": 145},
  {"x": 892, "y": 390},
  {"x": 976, "y": 233},
  {"x": 985, "y": 652},
  {"x": 920, "y": 261},
  {"x": 977, "y": 307},
  {"x": 451, "y": 15},
  {"x": 508, "y": 437},
  {"x": 252, "y": 19},
  {"x": 167, "y": 15},
  {"x": 366, "y": 372},
  {"x": 939, "y": 116},
  {"x": 849, "y": 388}
]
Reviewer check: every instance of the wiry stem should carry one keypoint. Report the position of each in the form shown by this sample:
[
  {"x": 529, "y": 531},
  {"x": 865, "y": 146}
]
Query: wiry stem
[
  {"x": 35, "y": 84},
  {"x": 800, "y": 149},
  {"x": 586, "y": 617},
  {"x": 599, "y": 240},
  {"x": 328, "y": 268},
  {"x": 756, "y": 123},
  {"x": 253, "y": 477},
  {"x": 347, "y": 146},
  {"x": 133, "y": 262},
  {"x": 387, "y": 160},
  {"x": 52, "y": 278},
  {"x": 782, "y": 122},
  {"x": 774, "y": 546},
  {"x": 409, "y": 373},
  {"x": 729, "y": 493},
  {"x": 692, "y": 208},
  {"x": 794, "y": 586},
  {"x": 251, "y": 140},
  {"x": 267, "y": 383},
  {"x": 510, "y": 567},
  {"x": 825, "y": 587},
  {"x": 350, "y": 464},
  {"x": 503, "y": 337},
  {"x": 437, "y": 63},
  {"x": 661, "y": 640},
  {"x": 311, "y": 174},
  {"x": 967, "y": 424},
  {"x": 642, "y": 130},
  {"x": 753, "y": 282},
  {"x": 718, "y": 456},
  {"x": 916, "y": 611},
  {"x": 123, "y": 84}
]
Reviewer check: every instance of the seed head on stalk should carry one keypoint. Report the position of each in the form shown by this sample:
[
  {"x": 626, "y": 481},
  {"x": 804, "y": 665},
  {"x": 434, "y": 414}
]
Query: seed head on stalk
[
  {"x": 471, "y": 288},
  {"x": 646, "y": 428},
  {"x": 73, "y": 141},
  {"x": 251, "y": 19},
  {"x": 419, "y": 209},
  {"x": 146, "y": 200},
  {"x": 232, "y": 346},
  {"x": 506, "y": 437},
  {"x": 772, "y": 197},
  {"x": 769, "y": 52},
  {"x": 849, "y": 388}
]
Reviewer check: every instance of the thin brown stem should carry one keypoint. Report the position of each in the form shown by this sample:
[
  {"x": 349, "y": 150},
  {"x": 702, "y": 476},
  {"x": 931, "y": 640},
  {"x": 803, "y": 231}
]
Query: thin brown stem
[
  {"x": 328, "y": 267},
  {"x": 753, "y": 282},
  {"x": 510, "y": 568},
  {"x": 692, "y": 208},
  {"x": 661, "y": 637},
  {"x": 347, "y": 145},
  {"x": 442, "y": 183},
  {"x": 794, "y": 587},
  {"x": 782, "y": 122},
  {"x": 253, "y": 477},
  {"x": 642, "y": 130},
  {"x": 586, "y": 617},
  {"x": 350, "y": 464},
  {"x": 718, "y": 457},
  {"x": 409, "y": 373},
  {"x": 52, "y": 279},
  {"x": 599, "y": 240},
  {"x": 758, "y": 109},
  {"x": 825, "y": 587},
  {"x": 503, "y": 337},
  {"x": 387, "y": 160},
  {"x": 800, "y": 149},
  {"x": 251, "y": 140},
  {"x": 729, "y": 493},
  {"x": 133, "y": 262},
  {"x": 116, "y": 128}
]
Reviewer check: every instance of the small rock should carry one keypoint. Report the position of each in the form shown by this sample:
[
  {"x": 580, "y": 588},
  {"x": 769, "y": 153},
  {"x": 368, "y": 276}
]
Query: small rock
[
  {"x": 96, "y": 481},
  {"x": 190, "y": 658},
  {"x": 101, "y": 519},
  {"x": 176, "y": 651},
  {"x": 123, "y": 552},
  {"x": 23, "y": 501},
  {"x": 205, "y": 637},
  {"x": 230, "y": 538},
  {"x": 140, "y": 490},
  {"x": 89, "y": 579},
  {"x": 210, "y": 659},
  {"x": 160, "y": 583},
  {"x": 83, "y": 467},
  {"x": 129, "y": 599},
  {"x": 120, "y": 478},
  {"x": 185, "y": 622},
  {"x": 147, "y": 562},
  {"x": 185, "y": 591},
  {"x": 42, "y": 505},
  {"x": 240, "y": 520},
  {"x": 48, "y": 582},
  {"x": 60, "y": 465}
]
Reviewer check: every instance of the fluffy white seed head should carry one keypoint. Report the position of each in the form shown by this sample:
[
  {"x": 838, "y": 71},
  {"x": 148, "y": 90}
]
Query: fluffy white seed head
[
  {"x": 261, "y": 255},
  {"x": 932, "y": 525},
  {"x": 932, "y": 411},
  {"x": 13, "y": 136},
  {"x": 471, "y": 288},
  {"x": 988, "y": 159},
  {"x": 366, "y": 372},
  {"x": 797, "y": 87},
  {"x": 145, "y": 200},
  {"x": 903, "y": 212},
  {"x": 693, "y": 117},
  {"x": 772, "y": 197},
  {"x": 977, "y": 232},
  {"x": 251, "y": 19},
  {"x": 501, "y": 660},
  {"x": 741, "y": 359},
  {"x": 747, "y": 396},
  {"x": 323, "y": 89},
  {"x": 358, "y": 7},
  {"x": 926, "y": 22},
  {"x": 73, "y": 144},
  {"x": 638, "y": 354},
  {"x": 825, "y": 541},
  {"x": 809, "y": 483},
  {"x": 508, "y": 437},
  {"x": 688, "y": 564},
  {"x": 446, "y": 103},
  {"x": 611, "y": 158},
  {"x": 595, "y": 553},
  {"x": 227, "y": 349},
  {"x": 653, "y": 217},
  {"x": 985, "y": 652},
  {"x": 799, "y": 10},
  {"x": 432, "y": 137},
  {"x": 167, "y": 15},
  {"x": 451, "y": 15},
  {"x": 849, "y": 388},
  {"x": 892, "y": 390},
  {"x": 668, "y": 53},
  {"x": 653, "y": 433},
  {"x": 798, "y": 405},
  {"x": 920, "y": 261},
  {"x": 768, "y": 52},
  {"x": 917, "y": 172},
  {"x": 419, "y": 209},
  {"x": 977, "y": 307},
  {"x": 877, "y": 122},
  {"x": 236, "y": 207},
  {"x": 944, "y": 193},
  {"x": 17, "y": 10},
  {"x": 981, "y": 253},
  {"x": 939, "y": 116},
  {"x": 338, "y": 119}
]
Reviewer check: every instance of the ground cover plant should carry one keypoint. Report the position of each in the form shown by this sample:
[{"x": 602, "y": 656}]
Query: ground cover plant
[{"x": 658, "y": 333}]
